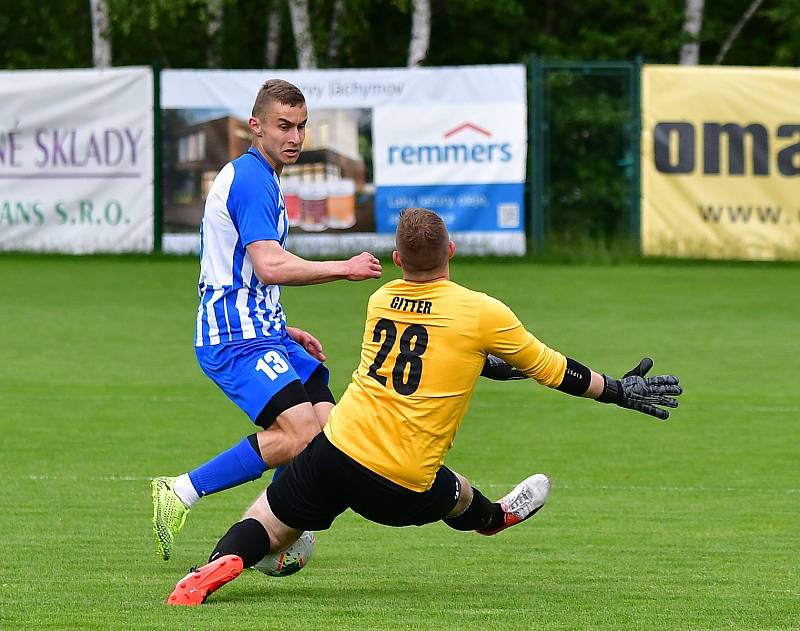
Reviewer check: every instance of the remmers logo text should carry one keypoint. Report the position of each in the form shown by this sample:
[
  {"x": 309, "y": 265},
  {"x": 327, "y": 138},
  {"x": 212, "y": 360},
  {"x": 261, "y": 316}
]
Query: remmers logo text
[{"x": 452, "y": 152}]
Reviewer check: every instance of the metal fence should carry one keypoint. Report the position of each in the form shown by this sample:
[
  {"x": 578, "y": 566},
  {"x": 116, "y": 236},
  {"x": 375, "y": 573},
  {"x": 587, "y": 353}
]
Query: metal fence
[{"x": 584, "y": 135}]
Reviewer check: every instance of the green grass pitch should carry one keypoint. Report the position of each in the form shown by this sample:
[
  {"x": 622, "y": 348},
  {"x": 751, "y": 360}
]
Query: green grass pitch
[{"x": 689, "y": 524}]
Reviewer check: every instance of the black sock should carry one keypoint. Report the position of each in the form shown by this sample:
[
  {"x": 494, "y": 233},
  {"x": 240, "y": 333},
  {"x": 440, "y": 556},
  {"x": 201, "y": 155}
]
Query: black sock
[
  {"x": 247, "y": 539},
  {"x": 497, "y": 520},
  {"x": 480, "y": 514}
]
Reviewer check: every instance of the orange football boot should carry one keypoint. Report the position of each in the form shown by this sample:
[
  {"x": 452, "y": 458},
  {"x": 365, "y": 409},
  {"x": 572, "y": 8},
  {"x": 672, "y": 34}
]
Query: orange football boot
[{"x": 197, "y": 585}]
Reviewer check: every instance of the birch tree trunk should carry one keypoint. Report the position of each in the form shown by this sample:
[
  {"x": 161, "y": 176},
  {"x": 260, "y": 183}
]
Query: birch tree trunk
[
  {"x": 693, "y": 22},
  {"x": 736, "y": 30},
  {"x": 335, "y": 42},
  {"x": 101, "y": 34},
  {"x": 212, "y": 31},
  {"x": 303, "y": 39},
  {"x": 274, "y": 25},
  {"x": 420, "y": 33}
]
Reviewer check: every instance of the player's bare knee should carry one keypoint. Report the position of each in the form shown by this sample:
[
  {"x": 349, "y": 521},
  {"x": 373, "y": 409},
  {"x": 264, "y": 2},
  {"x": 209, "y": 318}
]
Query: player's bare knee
[
  {"x": 261, "y": 512},
  {"x": 258, "y": 510},
  {"x": 280, "y": 535},
  {"x": 300, "y": 425},
  {"x": 308, "y": 431}
]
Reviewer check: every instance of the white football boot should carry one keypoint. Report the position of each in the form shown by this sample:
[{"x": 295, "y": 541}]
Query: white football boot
[{"x": 523, "y": 502}]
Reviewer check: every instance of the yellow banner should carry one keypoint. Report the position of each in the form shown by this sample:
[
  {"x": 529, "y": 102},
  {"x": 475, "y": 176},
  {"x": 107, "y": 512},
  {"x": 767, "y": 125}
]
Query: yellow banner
[{"x": 721, "y": 162}]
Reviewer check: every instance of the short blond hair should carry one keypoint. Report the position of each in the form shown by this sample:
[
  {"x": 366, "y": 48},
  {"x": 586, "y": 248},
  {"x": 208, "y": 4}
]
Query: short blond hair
[
  {"x": 277, "y": 90},
  {"x": 422, "y": 240}
]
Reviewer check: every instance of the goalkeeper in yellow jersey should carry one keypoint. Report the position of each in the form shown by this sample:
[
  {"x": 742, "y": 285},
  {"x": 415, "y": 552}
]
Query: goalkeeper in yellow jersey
[{"x": 382, "y": 451}]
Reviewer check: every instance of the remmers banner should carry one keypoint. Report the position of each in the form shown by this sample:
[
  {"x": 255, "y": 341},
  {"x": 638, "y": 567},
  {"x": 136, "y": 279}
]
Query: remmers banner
[
  {"x": 721, "y": 162},
  {"x": 76, "y": 165},
  {"x": 450, "y": 139}
]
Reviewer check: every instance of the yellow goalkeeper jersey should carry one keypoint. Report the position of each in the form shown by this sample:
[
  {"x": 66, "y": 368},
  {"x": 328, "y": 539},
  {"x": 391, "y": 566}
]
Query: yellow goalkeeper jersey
[{"x": 423, "y": 350}]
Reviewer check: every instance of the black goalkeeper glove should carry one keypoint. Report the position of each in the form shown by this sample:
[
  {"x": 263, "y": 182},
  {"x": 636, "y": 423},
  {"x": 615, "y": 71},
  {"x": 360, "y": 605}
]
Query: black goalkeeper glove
[
  {"x": 637, "y": 392},
  {"x": 495, "y": 368}
]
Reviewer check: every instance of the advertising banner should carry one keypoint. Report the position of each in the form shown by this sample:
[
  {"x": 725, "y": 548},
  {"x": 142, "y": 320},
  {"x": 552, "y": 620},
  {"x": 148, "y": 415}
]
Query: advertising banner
[
  {"x": 463, "y": 161},
  {"x": 76, "y": 160},
  {"x": 721, "y": 162},
  {"x": 450, "y": 139}
]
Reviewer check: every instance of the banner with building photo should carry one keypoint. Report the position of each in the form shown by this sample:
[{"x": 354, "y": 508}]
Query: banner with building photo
[
  {"x": 721, "y": 162},
  {"x": 76, "y": 160},
  {"x": 377, "y": 141}
]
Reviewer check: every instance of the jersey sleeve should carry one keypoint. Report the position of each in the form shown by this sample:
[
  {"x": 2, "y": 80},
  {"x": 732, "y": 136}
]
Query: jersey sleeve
[
  {"x": 255, "y": 209},
  {"x": 505, "y": 336}
]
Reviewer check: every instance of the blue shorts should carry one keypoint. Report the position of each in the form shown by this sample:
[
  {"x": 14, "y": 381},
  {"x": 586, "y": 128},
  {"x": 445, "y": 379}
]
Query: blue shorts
[{"x": 251, "y": 372}]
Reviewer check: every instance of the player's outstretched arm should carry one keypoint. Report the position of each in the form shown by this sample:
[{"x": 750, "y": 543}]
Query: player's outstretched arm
[
  {"x": 644, "y": 394},
  {"x": 505, "y": 337},
  {"x": 275, "y": 266}
]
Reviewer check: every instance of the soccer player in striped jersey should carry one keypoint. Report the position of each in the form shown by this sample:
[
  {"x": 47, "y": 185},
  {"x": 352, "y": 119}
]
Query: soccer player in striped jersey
[
  {"x": 382, "y": 450},
  {"x": 273, "y": 372}
]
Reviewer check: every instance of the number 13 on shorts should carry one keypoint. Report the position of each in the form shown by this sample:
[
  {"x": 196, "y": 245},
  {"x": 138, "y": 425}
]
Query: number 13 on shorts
[{"x": 272, "y": 365}]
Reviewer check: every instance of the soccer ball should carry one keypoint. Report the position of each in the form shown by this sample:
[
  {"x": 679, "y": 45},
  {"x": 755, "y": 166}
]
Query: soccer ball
[{"x": 291, "y": 560}]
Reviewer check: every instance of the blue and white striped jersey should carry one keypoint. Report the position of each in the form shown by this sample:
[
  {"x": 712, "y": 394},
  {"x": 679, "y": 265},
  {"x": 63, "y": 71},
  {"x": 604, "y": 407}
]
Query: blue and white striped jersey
[{"x": 245, "y": 204}]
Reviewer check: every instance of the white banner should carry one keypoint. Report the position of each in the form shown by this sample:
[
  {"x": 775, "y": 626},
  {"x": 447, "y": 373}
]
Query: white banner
[
  {"x": 461, "y": 144},
  {"x": 450, "y": 139},
  {"x": 76, "y": 160},
  {"x": 235, "y": 90}
]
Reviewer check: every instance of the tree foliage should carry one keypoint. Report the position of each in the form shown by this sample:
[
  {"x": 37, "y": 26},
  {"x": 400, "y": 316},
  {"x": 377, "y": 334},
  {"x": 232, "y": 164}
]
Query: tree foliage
[
  {"x": 37, "y": 35},
  {"x": 375, "y": 33}
]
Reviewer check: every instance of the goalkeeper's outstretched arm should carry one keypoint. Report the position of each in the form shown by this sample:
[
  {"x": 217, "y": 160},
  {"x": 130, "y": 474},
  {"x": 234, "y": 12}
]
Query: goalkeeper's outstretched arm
[
  {"x": 514, "y": 350},
  {"x": 633, "y": 391}
]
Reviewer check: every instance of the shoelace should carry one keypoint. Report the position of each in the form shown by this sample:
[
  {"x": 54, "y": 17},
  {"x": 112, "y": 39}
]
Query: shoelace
[{"x": 519, "y": 501}]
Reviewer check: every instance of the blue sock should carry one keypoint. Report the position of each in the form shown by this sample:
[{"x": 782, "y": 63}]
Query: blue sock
[
  {"x": 240, "y": 464},
  {"x": 278, "y": 470}
]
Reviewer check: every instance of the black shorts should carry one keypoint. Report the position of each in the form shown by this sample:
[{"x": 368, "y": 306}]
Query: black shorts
[
  {"x": 322, "y": 482},
  {"x": 314, "y": 390}
]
